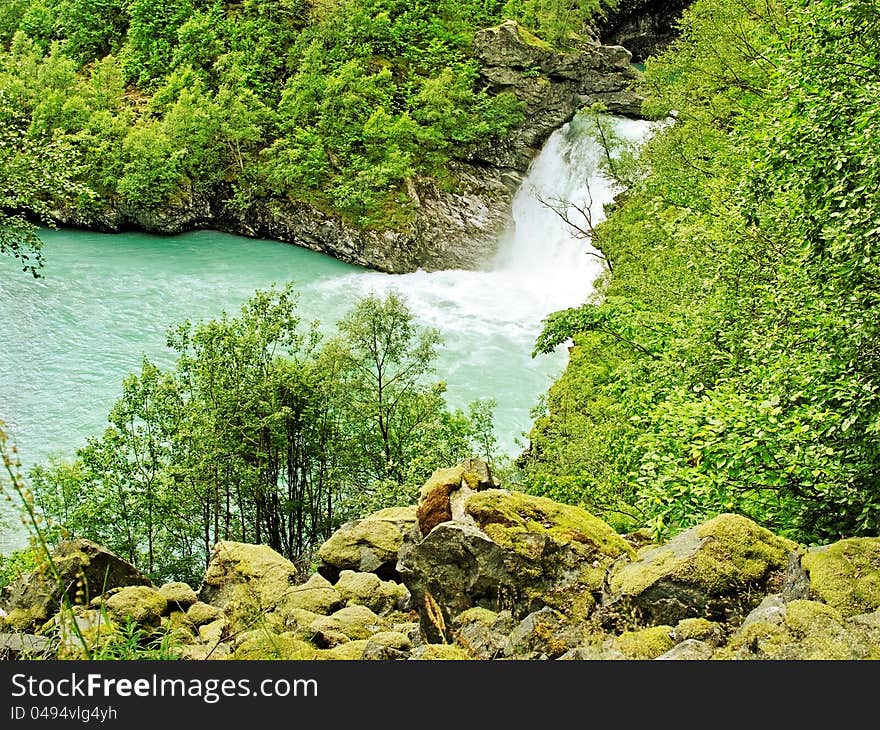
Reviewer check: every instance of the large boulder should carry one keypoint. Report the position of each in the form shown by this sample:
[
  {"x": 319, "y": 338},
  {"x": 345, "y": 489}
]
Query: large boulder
[
  {"x": 846, "y": 574},
  {"x": 237, "y": 569},
  {"x": 517, "y": 552},
  {"x": 803, "y": 630},
  {"x": 142, "y": 605},
  {"x": 718, "y": 570},
  {"x": 83, "y": 570},
  {"x": 368, "y": 545}
]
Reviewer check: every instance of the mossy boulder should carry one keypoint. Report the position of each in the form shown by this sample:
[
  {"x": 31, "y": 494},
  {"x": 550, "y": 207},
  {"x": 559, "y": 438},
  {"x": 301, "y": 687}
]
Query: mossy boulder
[
  {"x": 544, "y": 634},
  {"x": 85, "y": 569},
  {"x": 367, "y": 589},
  {"x": 368, "y": 545},
  {"x": 698, "y": 629},
  {"x": 203, "y": 613},
  {"x": 353, "y": 622},
  {"x": 260, "y": 645},
  {"x": 846, "y": 574},
  {"x": 444, "y": 496},
  {"x": 141, "y": 604},
  {"x": 439, "y": 652},
  {"x": 804, "y": 630},
  {"x": 648, "y": 643},
  {"x": 482, "y": 633},
  {"x": 316, "y": 595},
  {"x": 179, "y": 595},
  {"x": 238, "y": 568},
  {"x": 352, "y": 651},
  {"x": 718, "y": 570},
  {"x": 387, "y": 646},
  {"x": 688, "y": 650},
  {"x": 520, "y": 554}
]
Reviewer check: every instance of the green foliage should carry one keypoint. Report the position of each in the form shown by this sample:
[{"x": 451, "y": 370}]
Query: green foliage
[
  {"x": 17, "y": 563},
  {"x": 337, "y": 105},
  {"x": 729, "y": 364},
  {"x": 262, "y": 432}
]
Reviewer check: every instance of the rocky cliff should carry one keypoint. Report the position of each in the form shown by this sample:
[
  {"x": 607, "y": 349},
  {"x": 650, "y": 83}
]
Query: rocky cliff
[
  {"x": 450, "y": 229},
  {"x": 645, "y": 27},
  {"x": 475, "y": 571}
]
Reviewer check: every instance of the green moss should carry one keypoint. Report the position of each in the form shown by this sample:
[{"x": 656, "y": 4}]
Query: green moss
[
  {"x": 141, "y": 604},
  {"x": 394, "y": 514},
  {"x": 352, "y": 651},
  {"x": 202, "y": 613},
  {"x": 344, "y": 547},
  {"x": 645, "y": 644},
  {"x": 700, "y": 629},
  {"x": 846, "y": 575},
  {"x": 476, "y": 615},
  {"x": 450, "y": 477},
  {"x": 285, "y": 647},
  {"x": 392, "y": 639},
  {"x": 737, "y": 551},
  {"x": 727, "y": 553},
  {"x": 513, "y": 516},
  {"x": 442, "y": 652},
  {"x": 179, "y": 595},
  {"x": 354, "y": 622},
  {"x": 530, "y": 39}
]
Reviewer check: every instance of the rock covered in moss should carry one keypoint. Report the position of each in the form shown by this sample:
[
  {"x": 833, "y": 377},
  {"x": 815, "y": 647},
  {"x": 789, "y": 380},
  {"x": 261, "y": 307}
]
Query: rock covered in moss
[
  {"x": 482, "y": 633},
  {"x": 717, "y": 570},
  {"x": 179, "y": 595},
  {"x": 141, "y": 604},
  {"x": 846, "y": 574},
  {"x": 202, "y": 613},
  {"x": 238, "y": 568},
  {"x": 351, "y": 622},
  {"x": 522, "y": 553},
  {"x": 688, "y": 650},
  {"x": 438, "y": 652},
  {"x": 367, "y": 589},
  {"x": 368, "y": 545},
  {"x": 387, "y": 646},
  {"x": 698, "y": 629},
  {"x": 648, "y": 643},
  {"x": 316, "y": 595},
  {"x": 85, "y": 570},
  {"x": 803, "y": 630},
  {"x": 544, "y": 634},
  {"x": 444, "y": 496},
  {"x": 260, "y": 645}
]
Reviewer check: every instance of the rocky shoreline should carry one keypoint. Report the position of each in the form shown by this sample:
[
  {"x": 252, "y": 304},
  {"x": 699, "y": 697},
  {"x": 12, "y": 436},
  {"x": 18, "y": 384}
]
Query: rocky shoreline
[{"x": 478, "y": 572}]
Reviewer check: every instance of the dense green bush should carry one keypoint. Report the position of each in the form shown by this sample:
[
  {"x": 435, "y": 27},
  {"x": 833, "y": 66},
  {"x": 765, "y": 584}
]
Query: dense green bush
[{"x": 731, "y": 363}]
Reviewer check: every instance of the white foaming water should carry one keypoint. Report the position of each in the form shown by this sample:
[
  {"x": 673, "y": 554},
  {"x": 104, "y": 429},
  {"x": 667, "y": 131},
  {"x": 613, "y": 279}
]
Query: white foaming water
[{"x": 542, "y": 264}]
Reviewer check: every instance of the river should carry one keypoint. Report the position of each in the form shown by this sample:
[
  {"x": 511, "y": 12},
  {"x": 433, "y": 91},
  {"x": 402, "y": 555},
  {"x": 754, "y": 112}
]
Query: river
[{"x": 106, "y": 300}]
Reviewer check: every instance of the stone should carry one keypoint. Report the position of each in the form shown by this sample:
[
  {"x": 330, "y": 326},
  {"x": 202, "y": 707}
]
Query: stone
[
  {"x": 238, "y": 568},
  {"x": 717, "y": 570},
  {"x": 258, "y": 645},
  {"x": 802, "y": 630},
  {"x": 87, "y": 570},
  {"x": 482, "y": 633},
  {"x": 544, "y": 634},
  {"x": 368, "y": 545},
  {"x": 202, "y": 613},
  {"x": 438, "y": 652},
  {"x": 316, "y": 595},
  {"x": 25, "y": 646},
  {"x": 647, "y": 643},
  {"x": 846, "y": 574},
  {"x": 688, "y": 650},
  {"x": 179, "y": 595},
  {"x": 522, "y": 553},
  {"x": 353, "y": 622},
  {"x": 367, "y": 589},
  {"x": 387, "y": 646},
  {"x": 141, "y": 604}
]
